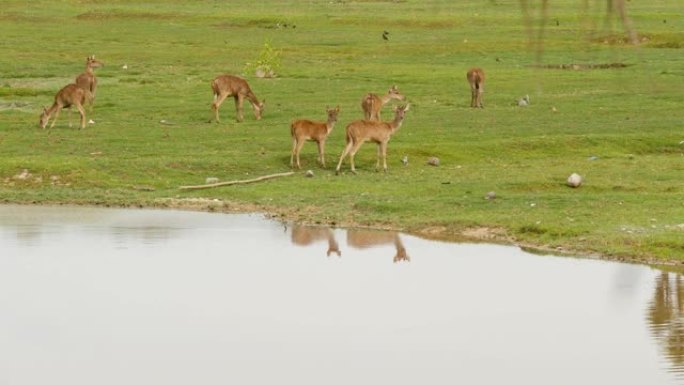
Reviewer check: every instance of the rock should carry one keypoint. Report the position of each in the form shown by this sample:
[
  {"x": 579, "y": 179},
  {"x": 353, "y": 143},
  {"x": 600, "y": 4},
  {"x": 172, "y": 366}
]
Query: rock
[
  {"x": 309, "y": 174},
  {"x": 211, "y": 180},
  {"x": 25, "y": 174},
  {"x": 524, "y": 101},
  {"x": 490, "y": 195},
  {"x": 574, "y": 180},
  {"x": 433, "y": 161},
  {"x": 404, "y": 160},
  {"x": 91, "y": 121}
]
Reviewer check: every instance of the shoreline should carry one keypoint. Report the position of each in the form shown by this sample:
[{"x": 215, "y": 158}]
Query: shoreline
[{"x": 482, "y": 234}]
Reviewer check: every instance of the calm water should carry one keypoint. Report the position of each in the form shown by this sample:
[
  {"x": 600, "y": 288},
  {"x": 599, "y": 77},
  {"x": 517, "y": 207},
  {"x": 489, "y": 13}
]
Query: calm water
[{"x": 103, "y": 296}]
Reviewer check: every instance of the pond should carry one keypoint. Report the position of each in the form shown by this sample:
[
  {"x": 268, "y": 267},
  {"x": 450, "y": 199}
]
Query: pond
[{"x": 115, "y": 296}]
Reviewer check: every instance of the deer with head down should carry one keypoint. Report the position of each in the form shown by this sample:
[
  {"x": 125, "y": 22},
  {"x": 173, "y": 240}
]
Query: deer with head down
[
  {"x": 372, "y": 103},
  {"x": 237, "y": 87},
  {"x": 87, "y": 80},
  {"x": 476, "y": 80},
  {"x": 303, "y": 130},
  {"x": 361, "y": 131},
  {"x": 307, "y": 235},
  {"x": 69, "y": 96}
]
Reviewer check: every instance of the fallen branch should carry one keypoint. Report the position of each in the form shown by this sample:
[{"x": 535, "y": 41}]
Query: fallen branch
[{"x": 232, "y": 182}]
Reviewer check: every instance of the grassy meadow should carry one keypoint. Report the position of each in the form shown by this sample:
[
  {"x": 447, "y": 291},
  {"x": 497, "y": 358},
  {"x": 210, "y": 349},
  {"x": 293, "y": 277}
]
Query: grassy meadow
[{"x": 622, "y": 129}]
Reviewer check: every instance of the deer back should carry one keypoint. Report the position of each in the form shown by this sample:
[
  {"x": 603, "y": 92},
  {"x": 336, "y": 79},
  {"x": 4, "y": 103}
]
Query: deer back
[
  {"x": 70, "y": 95},
  {"x": 232, "y": 85}
]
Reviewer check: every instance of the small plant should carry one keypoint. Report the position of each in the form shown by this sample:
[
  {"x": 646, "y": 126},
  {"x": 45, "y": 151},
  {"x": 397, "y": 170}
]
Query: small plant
[{"x": 266, "y": 64}]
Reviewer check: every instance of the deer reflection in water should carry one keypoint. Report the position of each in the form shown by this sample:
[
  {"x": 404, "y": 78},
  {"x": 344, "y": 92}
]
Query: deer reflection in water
[
  {"x": 666, "y": 317},
  {"x": 307, "y": 235},
  {"x": 363, "y": 239}
]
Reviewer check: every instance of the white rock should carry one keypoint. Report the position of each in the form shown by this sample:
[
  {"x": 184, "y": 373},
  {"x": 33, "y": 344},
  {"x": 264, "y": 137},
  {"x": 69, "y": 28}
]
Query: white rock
[
  {"x": 574, "y": 180},
  {"x": 211, "y": 180},
  {"x": 309, "y": 174}
]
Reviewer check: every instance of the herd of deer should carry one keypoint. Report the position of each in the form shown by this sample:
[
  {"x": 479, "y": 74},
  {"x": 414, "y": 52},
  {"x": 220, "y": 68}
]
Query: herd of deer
[{"x": 369, "y": 129}]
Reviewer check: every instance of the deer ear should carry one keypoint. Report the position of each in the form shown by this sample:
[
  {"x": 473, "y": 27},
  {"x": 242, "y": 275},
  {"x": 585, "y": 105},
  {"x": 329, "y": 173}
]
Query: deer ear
[
  {"x": 407, "y": 107},
  {"x": 338, "y": 108}
]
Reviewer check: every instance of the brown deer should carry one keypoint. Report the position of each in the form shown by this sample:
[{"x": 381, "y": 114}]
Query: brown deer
[
  {"x": 87, "y": 79},
  {"x": 307, "y": 235},
  {"x": 237, "y": 87},
  {"x": 69, "y": 96},
  {"x": 303, "y": 130},
  {"x": 363, "y": 239},
  {"x": 361, "y": 131},
  {"x": 476, "y": 80},
  {"x": 372, "y": 103}
]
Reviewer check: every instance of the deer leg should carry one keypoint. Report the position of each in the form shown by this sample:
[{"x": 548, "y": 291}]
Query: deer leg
[
  {"x": 54, "y": 119},
  {"x": 81, "y": 111},
  {"x": 473, "y": 96},
  {"x": 294, "y": 151},
  {"x": 383, "y": 146},
  {"x": 218, "y": 100},
  {"x": 480, "y": 91},
  {"x": 346, "y": 150},
  {"x": 321, "y": 152},
  {"x": 352, "y": 153},
  {"x": 300, "y": 144},
  {"x": 239, "y": 100}
]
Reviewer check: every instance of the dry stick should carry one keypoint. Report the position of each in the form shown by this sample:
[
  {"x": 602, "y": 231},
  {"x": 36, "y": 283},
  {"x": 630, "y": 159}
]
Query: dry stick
[{"x": 244, "y": 181}]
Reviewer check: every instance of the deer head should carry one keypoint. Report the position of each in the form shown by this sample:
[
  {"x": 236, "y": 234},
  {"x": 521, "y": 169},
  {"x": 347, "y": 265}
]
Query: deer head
[
  {"x": 332, "y": 113},
  {"x": 44, "y": 117},
  {"x": 395, "y": 94},
  {"x": 91, "y": 62}
]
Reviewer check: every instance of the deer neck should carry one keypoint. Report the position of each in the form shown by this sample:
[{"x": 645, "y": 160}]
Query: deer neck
[
  {"x": 396, "y": 123},
  {"x": 252, "y": 98},
  {"x": 384, "y": 99},
  {"x": 329, "y": 125}
]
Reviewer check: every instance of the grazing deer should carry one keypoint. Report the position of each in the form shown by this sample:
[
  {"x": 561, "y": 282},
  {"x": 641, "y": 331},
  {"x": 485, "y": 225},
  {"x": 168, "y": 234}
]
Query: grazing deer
[
  {"x": 372, "y": 103},
  {"x": 360, "y": 131},
  {"x": 476, "y": 80},
  {"x": 363, "y": 239},
  {"x": 307, "y": 235},
  {"x": 237, "y": 87},
  {"x": 87, "y": 79},
  {"x": 69, "y": 96},
  {"x": 303, "y": 130}
]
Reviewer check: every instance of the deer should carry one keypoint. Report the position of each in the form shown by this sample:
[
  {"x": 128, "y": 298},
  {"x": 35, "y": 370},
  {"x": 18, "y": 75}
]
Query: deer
[
  {"x": 69, "y": 96},
  {"x": 372, "y": 103},
  {"x": 476, "y": 80},
  {"x": 360, "y": 131},
  {"x": 303, "y": 130},
  {"x": 87, "y": 79},
  {"x": 364, "y": 239},
  {"x": 237, "y": 87},
  {"x": 307, "y": 235}
]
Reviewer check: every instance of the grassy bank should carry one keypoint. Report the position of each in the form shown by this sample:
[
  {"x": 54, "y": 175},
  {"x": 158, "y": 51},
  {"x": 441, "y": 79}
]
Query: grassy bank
[{"x": 620, "y": 128}]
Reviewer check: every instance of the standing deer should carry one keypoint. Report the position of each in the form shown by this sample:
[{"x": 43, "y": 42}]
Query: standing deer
[
  {"x": 69, "y": 96},
  {"x": 360, "y": 131},
  {"x": 372, "y": 103},
  {"x": 303, "y": 130},
  {"x": 87, "y": 79},
  {"x": 237, "y": 87},
  {"x": 476, "y": 80},
  {"x": 363, "y": 239}
]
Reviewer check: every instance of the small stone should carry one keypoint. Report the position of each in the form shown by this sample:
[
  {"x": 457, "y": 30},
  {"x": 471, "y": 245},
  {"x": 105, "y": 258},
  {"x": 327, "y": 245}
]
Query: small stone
[
  {"x": 211, "y": 180},
  {"x": 524, "y": 101},
  {"x": 309, "y": 174},
  {"x": 404, "y": 160},
  {"x": 490, "y": 195},
  {"x": 91, "y": 121},
  {"x": 574, "y": 180},
  {"x": 433, "y": 161}
]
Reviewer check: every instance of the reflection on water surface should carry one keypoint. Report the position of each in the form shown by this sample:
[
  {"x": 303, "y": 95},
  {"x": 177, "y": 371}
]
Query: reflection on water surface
[{"x": 94, "y": 296}]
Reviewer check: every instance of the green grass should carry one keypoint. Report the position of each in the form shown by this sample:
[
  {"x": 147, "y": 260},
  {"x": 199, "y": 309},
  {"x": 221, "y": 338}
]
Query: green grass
[{"x": 620, "y": 128}]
